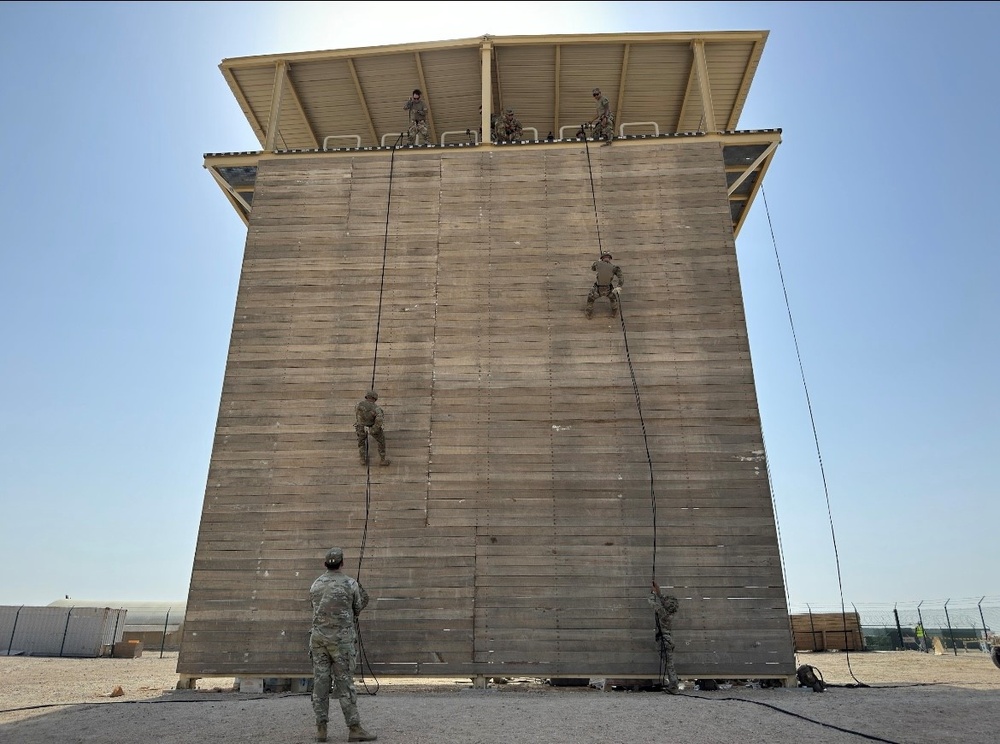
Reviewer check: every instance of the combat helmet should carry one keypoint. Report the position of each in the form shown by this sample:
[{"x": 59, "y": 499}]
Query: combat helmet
[{"x": 371, "y": 395}]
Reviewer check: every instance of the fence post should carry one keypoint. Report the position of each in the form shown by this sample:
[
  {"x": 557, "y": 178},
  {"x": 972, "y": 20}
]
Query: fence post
[
  {"x": 861, "y": 635},
  {"x": 62, "y": 645},
  {"x": 899, "y": 630},
  {"x": 986, "y": 634},
  {"x": 163, "y": 640},
  {"x": 812, "y": 629},
  {"x": 954, "y": 646},
  {"x": 920, "y": 617},
  {"x": 10, "y": 643},
  {"x": 114, "y": 633}
]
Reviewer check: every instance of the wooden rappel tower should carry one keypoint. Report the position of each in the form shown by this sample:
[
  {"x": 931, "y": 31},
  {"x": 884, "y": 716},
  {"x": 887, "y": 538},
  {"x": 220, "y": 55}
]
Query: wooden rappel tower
[{"x": 545, "y": 466}]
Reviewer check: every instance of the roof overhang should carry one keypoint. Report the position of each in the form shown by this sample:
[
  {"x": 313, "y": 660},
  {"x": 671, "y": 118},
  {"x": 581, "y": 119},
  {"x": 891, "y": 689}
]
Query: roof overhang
[{"x": 660, "y": 85}]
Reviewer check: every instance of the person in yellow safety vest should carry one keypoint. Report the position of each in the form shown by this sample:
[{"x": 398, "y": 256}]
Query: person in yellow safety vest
[{"x": 921, "y": 641}]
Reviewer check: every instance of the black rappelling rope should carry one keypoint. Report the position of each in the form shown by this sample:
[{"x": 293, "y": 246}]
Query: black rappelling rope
[
  {"x": 368, "y": 472},
  {"x": 628, "y": 358},
  {"x": 819, "y": 454}
]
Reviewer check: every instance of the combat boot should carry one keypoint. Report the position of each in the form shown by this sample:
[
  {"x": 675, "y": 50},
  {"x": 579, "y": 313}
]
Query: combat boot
[
  {"x": 384, "y": 460},
  {"x": 589, "y": 313},
  {"x": 321, "y": 731},
  {"x": 357, "y": 733}
]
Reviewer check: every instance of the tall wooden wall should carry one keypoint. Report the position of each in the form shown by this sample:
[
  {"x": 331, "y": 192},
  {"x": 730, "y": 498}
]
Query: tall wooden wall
[{"x": 513, "y": 533}]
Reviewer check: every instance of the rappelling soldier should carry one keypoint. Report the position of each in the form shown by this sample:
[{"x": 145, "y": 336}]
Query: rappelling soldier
[
  {"x": 605, "y": 286},
  {"x": 665, "y": 606},
  {"x": 369, "y": 419}
]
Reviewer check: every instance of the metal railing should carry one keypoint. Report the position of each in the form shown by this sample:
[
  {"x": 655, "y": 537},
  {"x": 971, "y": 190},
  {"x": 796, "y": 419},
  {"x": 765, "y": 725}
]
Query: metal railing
[{"x": 355, "y": 137}]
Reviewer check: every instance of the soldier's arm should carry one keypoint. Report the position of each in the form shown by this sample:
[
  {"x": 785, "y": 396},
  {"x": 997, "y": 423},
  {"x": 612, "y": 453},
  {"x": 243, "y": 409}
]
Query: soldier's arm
[
  {"x": 621, "y": 277},
  {"x": 360, "y": 600}
]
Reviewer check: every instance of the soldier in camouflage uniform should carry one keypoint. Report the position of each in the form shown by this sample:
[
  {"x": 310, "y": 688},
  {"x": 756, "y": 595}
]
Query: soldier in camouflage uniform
[
  {"x": 604, "y": 122},
  {"x": 337, "y": 600},
  {"x": 508, "y": 128},
  {"x": 604, "y": 286},
  {"x": 418, "y": 118},
  {"x": 665, "y": 606},
  {"x": 369, "y": 418}
]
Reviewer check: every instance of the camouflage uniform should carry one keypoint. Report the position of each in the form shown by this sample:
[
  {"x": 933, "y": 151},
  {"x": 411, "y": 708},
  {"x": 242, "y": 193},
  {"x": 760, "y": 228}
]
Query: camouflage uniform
[
  {"x": 604, "y": 285},
  {"x": 337, "y": 600},
  {"x": 418, "y": 121},
  {"x": 508, "y": 128},
  {"x": 368, "y": 417},
  {"x": 665, "y": 606},
  {"x": 604, "y": 122}
]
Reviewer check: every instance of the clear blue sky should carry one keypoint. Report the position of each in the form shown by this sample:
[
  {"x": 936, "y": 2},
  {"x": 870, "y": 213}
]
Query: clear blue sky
[{"x": 120, "y": 259}]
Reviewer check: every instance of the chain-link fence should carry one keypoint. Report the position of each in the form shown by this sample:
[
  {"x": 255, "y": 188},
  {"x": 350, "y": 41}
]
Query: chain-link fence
[{"x": 943, "y": 625}]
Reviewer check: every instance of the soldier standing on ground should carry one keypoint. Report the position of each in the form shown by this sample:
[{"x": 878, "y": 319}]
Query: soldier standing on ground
[
  {"x": 369, "y": 418},
  {"x": 419, "y": 112},
  {"x": 604, "y": 285},
  {"x": 337, "y": 600},
  {"x": 665, "y": 606},
  {"x": 604, "y": 122}
]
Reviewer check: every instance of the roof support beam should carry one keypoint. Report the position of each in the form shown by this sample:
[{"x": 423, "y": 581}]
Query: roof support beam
[
  {"x": 496, "y": 65},
  {"x": 245, "y": 104},
  {"x": 741, "y": 95},
  {"x": 756, "y": 164},
  {"x": 701, "y": 67},
  {"x": 234, "y": 196},
  {"x": 302, "y": 111},
  {"x": 361, "y": 99},
  {"x": 555, "y": 92},
  {"x": 423, "y": 88},
  {"x": 621, "y": 85},
  {"x": 486, "y": 88},
  {"x": 280, "y": 68}
]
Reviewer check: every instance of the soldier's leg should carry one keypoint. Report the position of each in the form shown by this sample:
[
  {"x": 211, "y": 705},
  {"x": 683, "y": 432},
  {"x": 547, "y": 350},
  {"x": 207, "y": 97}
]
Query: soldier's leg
[
  {"x": 668, "y": 658},
  {"x": 425, "y": 134},
  {"x": 411, "y": 134},
  {"x": 343, "y": 686},
  {"x": 362, "y": 442},
  {"x": 614, "y": 303},
  {"x": 378, "y": 434},
  {"x": 322, "y": 681},
  {"x": 591, "y": 298}
]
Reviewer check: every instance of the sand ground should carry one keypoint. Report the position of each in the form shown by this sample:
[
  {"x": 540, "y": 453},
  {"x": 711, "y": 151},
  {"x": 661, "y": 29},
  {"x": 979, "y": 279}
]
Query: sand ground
[{"x": 902, "y": 697}]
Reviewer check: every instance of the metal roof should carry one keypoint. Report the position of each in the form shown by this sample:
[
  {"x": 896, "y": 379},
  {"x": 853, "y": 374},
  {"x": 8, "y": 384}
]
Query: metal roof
[{"x": 658, "y": 84}]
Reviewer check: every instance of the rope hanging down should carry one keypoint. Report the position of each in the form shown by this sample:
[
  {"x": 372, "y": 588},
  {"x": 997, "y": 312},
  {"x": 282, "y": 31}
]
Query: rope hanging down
[
  {"x": 368, "y": 472},
  {"x": 628, "y": 358},
  {"x": 812, "y": 421}
]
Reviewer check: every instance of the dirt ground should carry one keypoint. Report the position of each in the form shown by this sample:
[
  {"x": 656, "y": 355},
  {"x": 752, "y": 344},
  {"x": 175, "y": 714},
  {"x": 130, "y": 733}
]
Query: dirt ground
[{"x": 902, "y": 697}]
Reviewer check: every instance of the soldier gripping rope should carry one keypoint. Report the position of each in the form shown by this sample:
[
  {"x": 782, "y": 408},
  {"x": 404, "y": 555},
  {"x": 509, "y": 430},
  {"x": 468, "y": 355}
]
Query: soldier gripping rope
[
  {"x": 604, "y": 286},
  {"x": 337, "y": 600},
  {"x": 370, "y": 419},
  {"x": 665, "y": 606}
]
